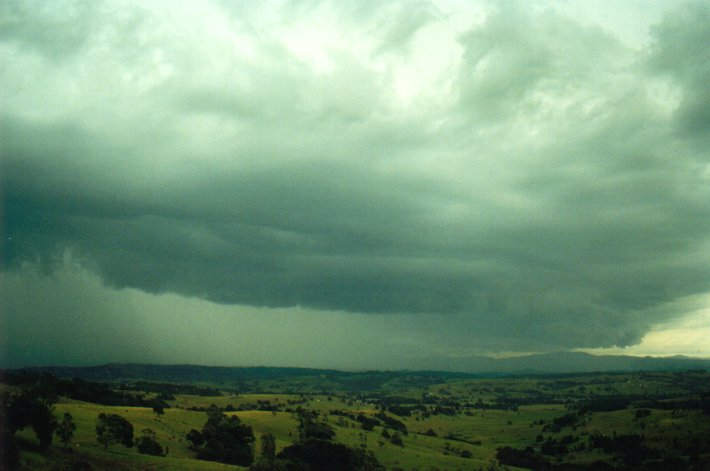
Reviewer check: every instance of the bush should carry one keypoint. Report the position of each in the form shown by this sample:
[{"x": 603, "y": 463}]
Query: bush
[{"x": 148, "y": 445}]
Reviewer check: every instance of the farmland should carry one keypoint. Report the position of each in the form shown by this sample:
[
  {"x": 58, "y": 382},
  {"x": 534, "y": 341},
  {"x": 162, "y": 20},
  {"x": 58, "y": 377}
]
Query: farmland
[{"x": 645, "y": 420}]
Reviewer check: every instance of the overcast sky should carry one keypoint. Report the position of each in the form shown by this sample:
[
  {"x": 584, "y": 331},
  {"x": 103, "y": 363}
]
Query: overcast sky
[{"x": 352, "y": 184}]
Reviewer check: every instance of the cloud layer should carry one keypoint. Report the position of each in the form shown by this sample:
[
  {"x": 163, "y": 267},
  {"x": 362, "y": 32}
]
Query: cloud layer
[{"x": 511, "y": 176}]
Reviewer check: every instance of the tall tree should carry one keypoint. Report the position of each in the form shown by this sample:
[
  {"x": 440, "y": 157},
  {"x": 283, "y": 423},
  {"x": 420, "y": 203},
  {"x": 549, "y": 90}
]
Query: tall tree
[
  {"x": 268, "y": 446},
  {"x": 112, "y": 428},
  {"x": 65, "y": 429}
]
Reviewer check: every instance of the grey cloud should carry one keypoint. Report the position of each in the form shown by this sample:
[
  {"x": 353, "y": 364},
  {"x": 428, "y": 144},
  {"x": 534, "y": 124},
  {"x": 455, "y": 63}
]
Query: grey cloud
[
  {"x": 520, "y": 58},
  {"x": 679, "y": 52},
  {"x": 555, "y": 207},
  {"x": 55, "y": 29}
]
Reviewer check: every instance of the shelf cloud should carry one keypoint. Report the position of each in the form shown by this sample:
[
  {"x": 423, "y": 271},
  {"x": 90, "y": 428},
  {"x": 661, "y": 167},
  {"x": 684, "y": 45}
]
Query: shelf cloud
[{"x": 508, "y": 175}]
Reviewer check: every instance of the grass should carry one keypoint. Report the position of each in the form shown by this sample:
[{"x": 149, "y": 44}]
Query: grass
[
  {"x": 480, "y": 432},
  {"x": 170, "y": 430}
]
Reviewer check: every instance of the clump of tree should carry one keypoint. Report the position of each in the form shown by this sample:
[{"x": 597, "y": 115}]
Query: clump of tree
[
  {"x": 400, "y": 410},
  {"x": 80, "y": 389},
  {"x": 310, "y": 427},
  {"x": 391, "y": 422},
  {"x": 224, "y": 439},
  {"x": 112, "y": 428},
  {"x": 522, "y": 458},
  {"x": 147, "y": 444},
  {"x": 559, "y": 447},
  {"x": 268, "y": 460},
  {"x": 195, "y": 438},
  {"x": 396, "y": 439},
  {"x": 314, "y": 450},
  {"x": 367, "y": 423},
  {"x": 705, "y": 402},
  {"x": 268, "y": 446},
  {"x": 558, "y": 423},
  {"x": 631, "y": 448},
  {"x": 33, "y": 407},
  {"x": 167, "y": 391},
  {"x": 9, "y": 454},
  {"x": 323, "y": 455},
  {"x": 605, "y": 404}
]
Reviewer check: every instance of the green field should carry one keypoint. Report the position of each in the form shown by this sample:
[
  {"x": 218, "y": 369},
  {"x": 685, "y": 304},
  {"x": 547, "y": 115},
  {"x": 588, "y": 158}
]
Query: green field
[{"x": 473, "y": 417}]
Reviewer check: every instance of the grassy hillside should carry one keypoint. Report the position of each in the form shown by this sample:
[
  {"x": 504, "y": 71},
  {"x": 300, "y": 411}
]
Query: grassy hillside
[{"x": 459, "y": 423}]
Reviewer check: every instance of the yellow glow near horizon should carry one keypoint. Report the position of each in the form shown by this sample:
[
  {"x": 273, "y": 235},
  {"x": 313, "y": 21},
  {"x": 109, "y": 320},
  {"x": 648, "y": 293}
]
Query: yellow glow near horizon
[{"x": 689, "y": 337}]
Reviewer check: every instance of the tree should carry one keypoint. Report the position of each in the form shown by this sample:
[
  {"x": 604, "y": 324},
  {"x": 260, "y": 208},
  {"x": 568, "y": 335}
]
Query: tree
[
  {"x": 268, "y": 446},
  {"x": 224, "y": 439},
  {"x": 112, "y": 428},
  {"x": 705, "y": 402},
  {"x": 396, "y": 439},
  {"x": 195, "y": 438},
  {"x": 148, "y": 445},
  {"x": 322, "y": 455},
  {"x": 33, "y": 407},
  {"x": 65, "y": 429},
  {"x": 310, "y": 427}
]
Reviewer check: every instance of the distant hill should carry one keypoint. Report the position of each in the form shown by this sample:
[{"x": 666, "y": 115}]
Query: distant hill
[
  {"x": 434, "y": 370},
  {"x": 563, "y": 362},
  {"x": 246, "y": 379}
]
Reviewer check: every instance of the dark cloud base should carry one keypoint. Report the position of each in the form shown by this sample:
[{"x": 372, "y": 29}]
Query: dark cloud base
[{"x": 573, "y": 236}]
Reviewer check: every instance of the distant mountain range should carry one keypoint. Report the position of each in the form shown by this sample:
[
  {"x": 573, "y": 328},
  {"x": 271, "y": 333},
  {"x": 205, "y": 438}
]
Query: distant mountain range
[{"x": 431, "y": 369}]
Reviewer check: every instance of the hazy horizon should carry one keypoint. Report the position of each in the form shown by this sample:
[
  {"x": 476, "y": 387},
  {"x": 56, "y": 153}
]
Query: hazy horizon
[
  {"x": 352, "y": 185},
  {"x": 464, "y": 365}
]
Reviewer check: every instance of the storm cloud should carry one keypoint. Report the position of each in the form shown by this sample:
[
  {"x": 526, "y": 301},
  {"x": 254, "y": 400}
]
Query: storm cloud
[{"x": 510, "y": 175}]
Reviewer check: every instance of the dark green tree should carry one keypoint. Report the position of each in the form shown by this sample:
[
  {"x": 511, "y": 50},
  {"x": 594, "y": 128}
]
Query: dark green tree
[
  {"x": 224, "y": 439},
  {"x": 148, "y": 445},
  {"x": 397, "y": 439},
  {"x": 65, "y": 429},
  {"x": 33, "y": 407},
  {"x": 310, "y": 427},
  {"x": 195, "y": 438},
  {"x": 322, "y": 455},
  {"x": 103, "y": 434},
  {"x": 268, "y": 446},
  {"x": 112, "y": 428},
  {"x": 705, "y": 402}
]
